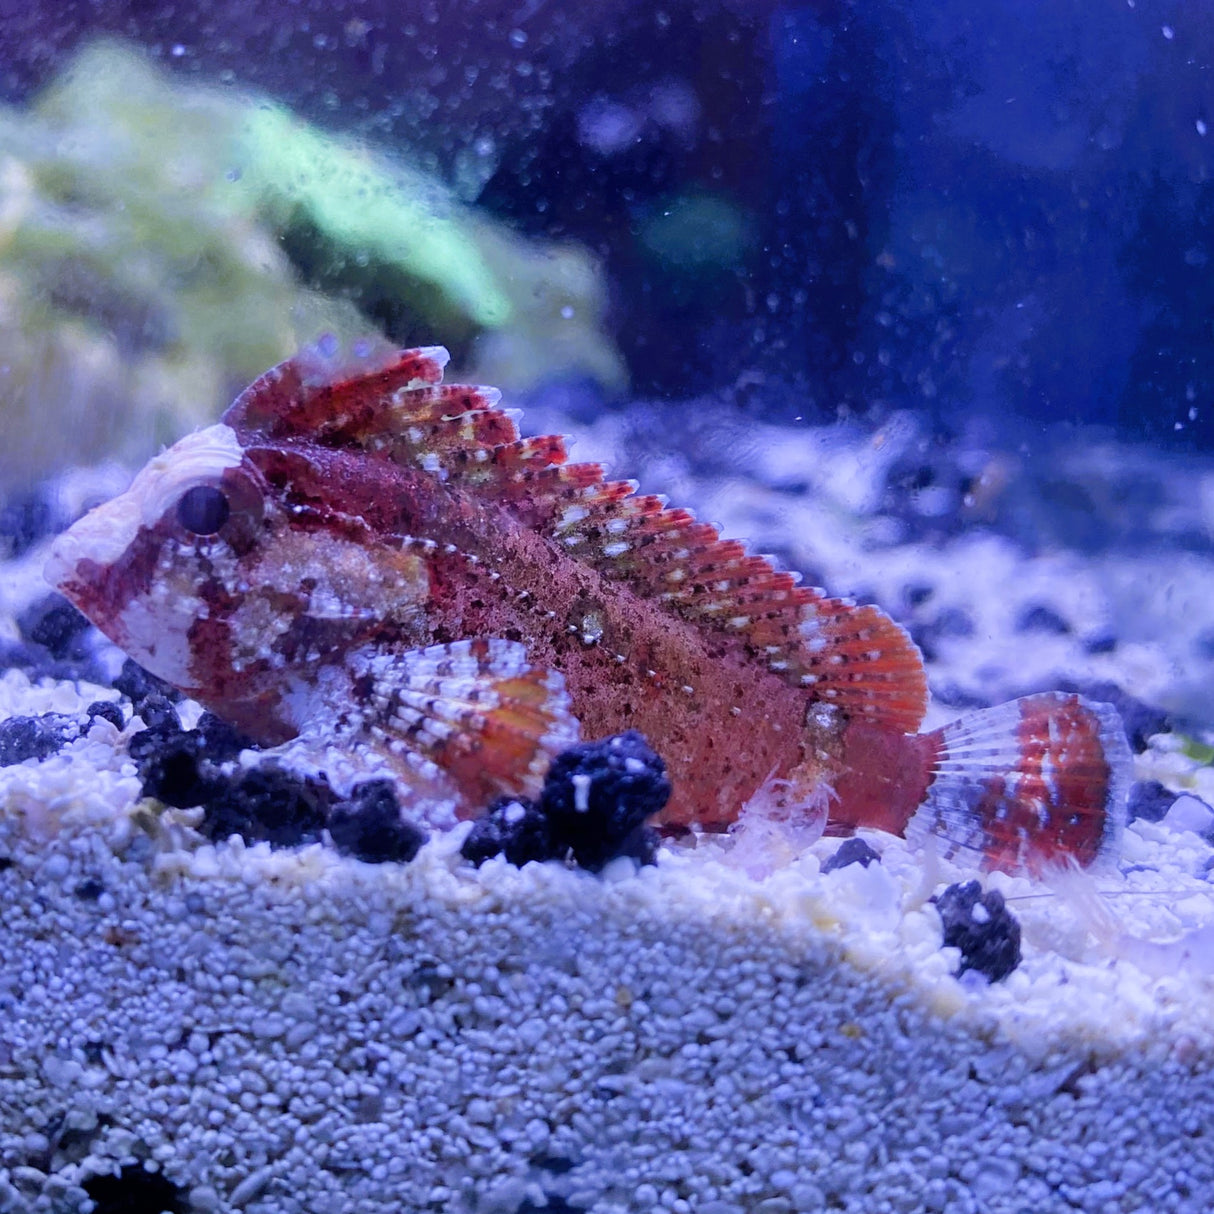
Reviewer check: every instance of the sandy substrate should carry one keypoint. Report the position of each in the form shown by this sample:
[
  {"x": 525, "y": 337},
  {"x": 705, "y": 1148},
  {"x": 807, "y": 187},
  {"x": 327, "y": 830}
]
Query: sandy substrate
[
  {"x": 298, "y": 1031},
  {"x": 729, "y": 1032}
]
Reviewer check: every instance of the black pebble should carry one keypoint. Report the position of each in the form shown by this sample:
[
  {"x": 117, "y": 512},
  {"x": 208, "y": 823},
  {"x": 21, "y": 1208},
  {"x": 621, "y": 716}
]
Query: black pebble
[
  {"x": 55, "y": 642},
  {"x": 851, "y": 851},
  {"x": 1149, "y": 800},
  {"x": 620, "y": 780},
  {"x": 135, "y": 1190},
  {"x": 219, "y": 740},
  {"x": 513, "y": 827},
  {"x": 176, "y": 765},
  {"x": 183, "y": 768},
  {"x": 24, "y": 738},
  {"x": 89, "y": 890},
  {"x": 56, "y": 625},
  {"x": 989, "y": 944},
  {"x": 137, "y": 684},
  {"x": 107, "y": 710},
  {"x": 170, "y": 767},
  {"x": 597, "y": 796},
  {"x": 159, "y": 714},
  {"x": 369, "y": 826},
  {"x": 266, "y": 803}
]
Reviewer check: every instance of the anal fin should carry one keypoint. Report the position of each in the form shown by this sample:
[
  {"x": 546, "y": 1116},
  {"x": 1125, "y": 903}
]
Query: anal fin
[{"x": 1038, "y": 782}]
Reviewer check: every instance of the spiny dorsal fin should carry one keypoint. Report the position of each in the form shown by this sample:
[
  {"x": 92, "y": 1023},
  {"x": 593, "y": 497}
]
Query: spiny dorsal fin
[
  {"x": 326, "y": 390},
  {"x": 395, "y": 404}
]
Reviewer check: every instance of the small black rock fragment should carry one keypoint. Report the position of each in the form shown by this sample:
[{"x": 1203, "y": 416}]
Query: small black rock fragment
[
  {"x": 593, "y": 807},
  {"x": 56, "y": 642},
  {"x": 107, "y": 710},
  {"x": 982, "y": 927},
  {"x": 159, "y": 714},
  {"x": 137, "y": 684},
  {"x": 184, "y": 768},
  {"x": 369, "y": 825},
  {"x": 179, "y": 767},
  {"x": 170, "y": 768},
  {"x": 89, "y": 890},
  {"x": 851, "y": 851},
  {"x": 597, "y": 796},
  {"x": 56, "y": 625},
  {"x": 135, "y": 1190},
  {"x": 513, "y": 827},
  {"x": 24, "y": 738},
  {"x": 1149, "y": 800},
  {"x": 266, "y": 803},
  {"x": 219, "y": 740}
]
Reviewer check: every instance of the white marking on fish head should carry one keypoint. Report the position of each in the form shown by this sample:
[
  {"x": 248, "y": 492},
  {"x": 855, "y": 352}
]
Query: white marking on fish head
[{"x": 133, "y": 568}]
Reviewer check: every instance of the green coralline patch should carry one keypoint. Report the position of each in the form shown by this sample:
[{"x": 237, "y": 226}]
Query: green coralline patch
[{"x": 161, "y": 243}]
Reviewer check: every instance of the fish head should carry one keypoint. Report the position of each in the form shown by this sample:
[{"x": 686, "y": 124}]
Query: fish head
[
  {"x": 137, "y": 564},
  {"x": 223, "y": 570}
]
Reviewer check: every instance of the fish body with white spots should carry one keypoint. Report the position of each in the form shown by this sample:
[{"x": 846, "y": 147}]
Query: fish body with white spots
[{"x": 370, "y": 570}]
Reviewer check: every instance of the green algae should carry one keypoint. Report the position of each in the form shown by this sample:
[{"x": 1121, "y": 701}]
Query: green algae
[{"x": 162, "y": 242}]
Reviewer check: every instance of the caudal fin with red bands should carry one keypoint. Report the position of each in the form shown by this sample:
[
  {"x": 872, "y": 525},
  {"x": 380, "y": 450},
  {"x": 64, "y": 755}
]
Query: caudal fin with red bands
[{"x": 1034, "y": 783}]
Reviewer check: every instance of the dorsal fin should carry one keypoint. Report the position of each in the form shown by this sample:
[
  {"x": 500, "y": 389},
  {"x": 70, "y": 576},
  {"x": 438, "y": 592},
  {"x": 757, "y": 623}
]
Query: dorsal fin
[{"x": 395, "y": 404}]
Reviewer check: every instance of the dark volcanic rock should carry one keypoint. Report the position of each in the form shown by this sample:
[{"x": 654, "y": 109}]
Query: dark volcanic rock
[
  {"x": 595, "y": 800},
  {"x": 851, "y": 851},
  {"x": 369, "y": 826},
  {"x": 597, "y": 796},
  {"x": 24, "y": 738},
  {"x": 982, "y": 927},
  {"x": 56, "y": 625},
  {"x": 513, "y": 827}
]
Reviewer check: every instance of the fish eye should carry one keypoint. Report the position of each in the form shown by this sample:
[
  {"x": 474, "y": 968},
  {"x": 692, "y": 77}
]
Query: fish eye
[{"x": 203, "y": 510}]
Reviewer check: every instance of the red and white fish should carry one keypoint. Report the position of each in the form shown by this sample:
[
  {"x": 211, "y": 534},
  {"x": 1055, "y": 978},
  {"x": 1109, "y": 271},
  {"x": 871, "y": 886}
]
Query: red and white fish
[{"x": 371, "y": 570}]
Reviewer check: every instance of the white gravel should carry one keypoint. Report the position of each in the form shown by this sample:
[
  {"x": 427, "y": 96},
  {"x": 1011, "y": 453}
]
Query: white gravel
[{"x": 295, "y": 1031}]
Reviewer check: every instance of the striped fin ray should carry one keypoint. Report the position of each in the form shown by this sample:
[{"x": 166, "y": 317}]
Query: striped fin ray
[
  {"x": 475, "y": 711},
  {"x": 1036, "y": 782}
]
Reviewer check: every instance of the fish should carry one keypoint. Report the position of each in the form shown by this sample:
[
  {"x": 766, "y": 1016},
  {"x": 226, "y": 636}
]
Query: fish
[{"x": 370, "y": 572}]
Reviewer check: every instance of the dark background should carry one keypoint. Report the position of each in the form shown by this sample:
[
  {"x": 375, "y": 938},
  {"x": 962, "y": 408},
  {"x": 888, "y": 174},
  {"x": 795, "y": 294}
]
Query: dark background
[{"x": 810, "y": 209}]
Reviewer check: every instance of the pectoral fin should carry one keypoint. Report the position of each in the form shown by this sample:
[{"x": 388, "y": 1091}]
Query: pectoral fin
[{"x": 454, "y": 725}]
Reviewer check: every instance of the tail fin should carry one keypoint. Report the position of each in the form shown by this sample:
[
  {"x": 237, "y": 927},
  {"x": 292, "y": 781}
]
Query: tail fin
[{"x": 1036, "y": 782}]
